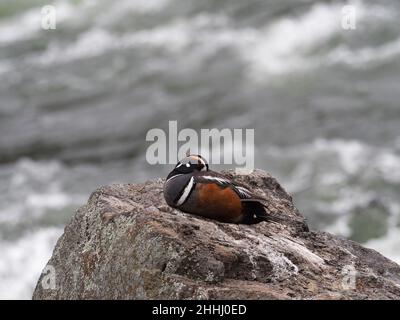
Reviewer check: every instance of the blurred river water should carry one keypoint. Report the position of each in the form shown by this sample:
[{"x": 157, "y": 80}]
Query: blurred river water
[{"x": 77, "y": 101}]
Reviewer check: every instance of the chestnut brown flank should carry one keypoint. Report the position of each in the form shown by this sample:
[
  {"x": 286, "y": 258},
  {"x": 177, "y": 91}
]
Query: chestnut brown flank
[{"x": 221, "y": 202}]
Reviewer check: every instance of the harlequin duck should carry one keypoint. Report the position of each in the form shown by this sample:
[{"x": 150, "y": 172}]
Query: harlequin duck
[{"x": 191, "y": 187}]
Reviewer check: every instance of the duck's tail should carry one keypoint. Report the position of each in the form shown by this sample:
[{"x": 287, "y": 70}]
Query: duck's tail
[{"x": 256, "y": 212}]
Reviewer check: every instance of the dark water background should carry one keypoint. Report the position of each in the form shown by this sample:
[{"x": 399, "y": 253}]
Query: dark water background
[{"x": 76, "y": 104}]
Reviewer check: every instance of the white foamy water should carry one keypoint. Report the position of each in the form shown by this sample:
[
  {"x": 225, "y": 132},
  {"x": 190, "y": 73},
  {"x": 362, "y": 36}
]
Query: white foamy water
[
  {"x": 23, "y": 260},
  {"x": 348, "y": 158},
  {"x": 282, "y": 45},
  {"x": 285, "y": 44},
  {"x": 34, "y": 206},
  {"x": 27, "y": 24},
  {"x": 35, "y": 189},
  {"x": 388, "y": 245},
  {"x": 366, "y": 56}
]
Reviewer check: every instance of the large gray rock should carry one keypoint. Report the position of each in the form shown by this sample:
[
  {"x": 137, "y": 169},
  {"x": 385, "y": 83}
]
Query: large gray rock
[{"x": 126, "y": 243}]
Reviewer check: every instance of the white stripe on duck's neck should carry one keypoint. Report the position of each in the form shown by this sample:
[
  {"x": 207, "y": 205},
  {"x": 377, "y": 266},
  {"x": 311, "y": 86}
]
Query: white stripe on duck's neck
[{"x": 186, "y": 192}]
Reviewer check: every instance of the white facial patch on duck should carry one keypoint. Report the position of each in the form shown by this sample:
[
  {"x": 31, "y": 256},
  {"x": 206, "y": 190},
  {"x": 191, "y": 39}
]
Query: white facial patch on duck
[{"x": 200, "y": 161}]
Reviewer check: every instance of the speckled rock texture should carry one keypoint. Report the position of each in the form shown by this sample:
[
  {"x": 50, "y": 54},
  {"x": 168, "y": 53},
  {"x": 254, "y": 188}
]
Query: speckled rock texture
[{"x": 126, "y": 243}]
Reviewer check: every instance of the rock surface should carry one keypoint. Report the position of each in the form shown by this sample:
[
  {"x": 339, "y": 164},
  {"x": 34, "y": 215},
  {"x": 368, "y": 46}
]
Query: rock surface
[{"x": 126, "y": 243}]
